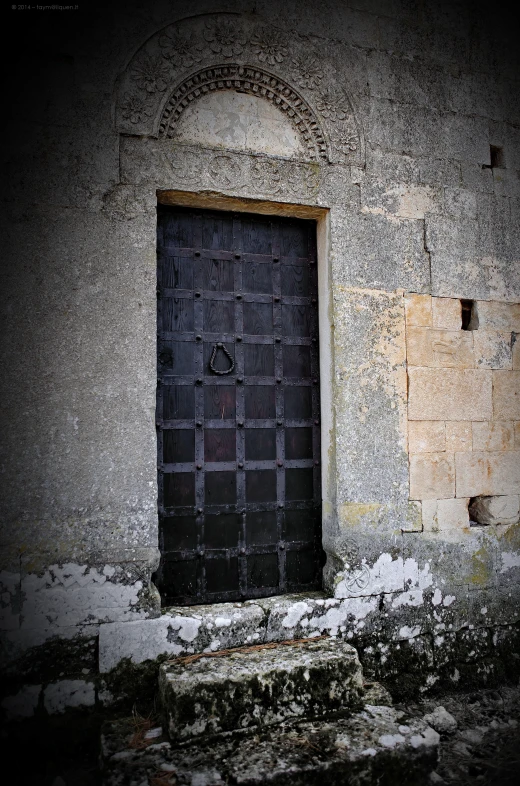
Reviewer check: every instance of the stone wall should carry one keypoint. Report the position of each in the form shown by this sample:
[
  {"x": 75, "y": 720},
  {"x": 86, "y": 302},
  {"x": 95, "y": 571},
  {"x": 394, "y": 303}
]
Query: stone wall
[{"x": 394, "y": 125}]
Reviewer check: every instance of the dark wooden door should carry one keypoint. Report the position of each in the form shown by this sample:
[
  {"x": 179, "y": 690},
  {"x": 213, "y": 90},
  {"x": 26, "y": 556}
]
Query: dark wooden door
[{"x": 237, "y": 406}]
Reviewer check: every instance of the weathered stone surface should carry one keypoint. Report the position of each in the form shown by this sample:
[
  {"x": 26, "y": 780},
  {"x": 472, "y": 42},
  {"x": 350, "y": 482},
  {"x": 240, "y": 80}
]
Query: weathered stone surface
[
  {"x": 441, "y": 720},
  {"x": 445, "y": 514},
  {"x": 378, "y": 744},
  {"x": 268, "y": 686},
  {"x": 432, "y": 476},
  {"x": 446, "y": 313},
  {"x": 495, "y": 510},
  {"x": 487, "y": 474},
  {"x": 439, "y": 348},
  {"x": 458, "y": 436},
  {"x": 492, "y": 348},
  {"x": 494, "y": 435},
  {"x": 506, "y": 395},
  {"x": 449, "y": 394},
  {"x": 426, "y": 436},
  {"x": 67, "y": 694},
  {"x": 418, "y": 310}
]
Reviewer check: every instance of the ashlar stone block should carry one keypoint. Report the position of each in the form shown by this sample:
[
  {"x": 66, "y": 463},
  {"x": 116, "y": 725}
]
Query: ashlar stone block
[
  {"x": 493, "y": 436},
  {"x": 492, "y": 314},
  {"x": 458, "y": 435},
  {"x": 450, "y": 394},
  {"x": 487, "y": 474},
  {"x": 447, "y": 313},
  {"x": 445, "y": 514},
  {"x": 426, "y": 436},
  {"x": 432, "y": 476},
  {"x": 506, "y": 395},
  {"x": 439, "y": 348},
  {"x": 418, "y": 310},
  {"x": 492, "y": 348}
]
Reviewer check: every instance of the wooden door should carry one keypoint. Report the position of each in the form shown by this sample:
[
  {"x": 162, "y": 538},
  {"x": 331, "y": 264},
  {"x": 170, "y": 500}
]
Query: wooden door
[{"x": 237, "y": 406}]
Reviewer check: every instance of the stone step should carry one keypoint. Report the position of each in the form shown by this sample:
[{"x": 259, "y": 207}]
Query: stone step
[
  {"x": 377, "y": 745},
  {"x": 262, "y": 685}
]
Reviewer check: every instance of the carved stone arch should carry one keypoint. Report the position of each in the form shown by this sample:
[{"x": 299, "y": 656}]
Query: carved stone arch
[{"x": 253, "y": 81}]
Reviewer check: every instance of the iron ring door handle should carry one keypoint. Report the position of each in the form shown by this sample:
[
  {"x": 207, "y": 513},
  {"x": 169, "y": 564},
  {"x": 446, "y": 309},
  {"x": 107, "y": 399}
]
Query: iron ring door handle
[{"x": 214, "y": 355}]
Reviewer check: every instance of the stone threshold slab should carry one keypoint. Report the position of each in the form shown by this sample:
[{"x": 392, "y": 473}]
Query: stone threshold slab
[
  {"x": 377, "y": 745},
  {"x": 260, "y": 685}
]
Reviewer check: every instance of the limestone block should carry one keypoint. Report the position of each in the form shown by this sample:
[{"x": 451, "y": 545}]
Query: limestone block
[
  {"x": 492, "y": 314},
  {"x": 458, "y": 435},
  {"x": 447, "y": 313},
  {"x": 439, "y": 348},
  {"x": 450, "y": 394},
  {"x": 418, "y": 310},
  {"x": 496, "y": 510},
  {"x": 516, "y": 351},
  {"x": 379, "y": 252},
  {"x": 492, "y": 348},
  {"x": 493, "y": 436},
  {"x": 432, "y": 476},
  {"x": 426, "y": 436},
  {"x": 517, "y": 434},
  {"x": 402, "y": 200},
  {"x": 487, "y": 474},
  {"x": 506, "y": 395},
  {"x": 460, "y": 202},
  {"x": 515, "y": 316},
  {"x": 444, "y": 514}
]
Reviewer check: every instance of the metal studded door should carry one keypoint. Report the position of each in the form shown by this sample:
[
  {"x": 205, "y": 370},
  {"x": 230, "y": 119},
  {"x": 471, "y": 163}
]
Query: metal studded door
[{"x": 237, "y": 406}]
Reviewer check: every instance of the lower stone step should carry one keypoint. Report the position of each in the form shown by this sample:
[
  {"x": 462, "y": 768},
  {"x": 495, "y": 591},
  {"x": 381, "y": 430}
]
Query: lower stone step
[
  {"x": 263, "y": 685},
  {"x": 378, "y": 745}
]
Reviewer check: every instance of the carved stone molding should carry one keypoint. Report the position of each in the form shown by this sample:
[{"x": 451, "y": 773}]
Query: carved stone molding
[
  {"x": 254, "y": 81},
  {"x": 198, "y": 56}
]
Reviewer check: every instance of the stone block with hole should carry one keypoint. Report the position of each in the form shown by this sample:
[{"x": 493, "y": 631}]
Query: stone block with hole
[
  {"x": 249, "y": 687},
  {"x": 495, "y": 510}
]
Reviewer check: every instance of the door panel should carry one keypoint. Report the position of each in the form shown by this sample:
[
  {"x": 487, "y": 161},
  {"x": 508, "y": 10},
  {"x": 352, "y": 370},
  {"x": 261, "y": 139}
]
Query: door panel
[{"x": 237, "y": 406}]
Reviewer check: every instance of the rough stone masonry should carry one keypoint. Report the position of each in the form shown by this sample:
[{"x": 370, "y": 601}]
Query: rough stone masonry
[{"x": 394, "y": 124}]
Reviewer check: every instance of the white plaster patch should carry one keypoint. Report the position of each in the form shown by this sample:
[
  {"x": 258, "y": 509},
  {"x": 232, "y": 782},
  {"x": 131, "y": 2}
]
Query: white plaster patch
[
  {"x": 412, "y": 598},
  {"x": 407, "y": 632},
  {"x": 73, "y": 595},
  {"x": 295, "y": 614},
  {"x": 222, "y": 622},
  {"x": 510, "y": 559},
  {"x": 66, "y": 694},
  {"x": 391, "y": 740},
  {"x": 437, "y": 597},
  {"x": 448, "y": 600},
  {"x": 188, "y": 627}
]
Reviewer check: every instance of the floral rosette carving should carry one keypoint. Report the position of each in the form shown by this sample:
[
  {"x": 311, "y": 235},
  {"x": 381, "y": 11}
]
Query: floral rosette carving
[
  {"x": 151, "y": 74},
  {"x": 269, "y": 46},
  {"x": 307, "y": 71},
  {"x": 134, "y": 109},
  {"x": 332, "y": 105},
  {"x": 185, "y": 165},
  {"x": 225, "y": 38},
  {"x": 301, "y": 178},
  {"x": 225, "y": 171},
  {"x": 267, "y": 176},
  {"x": 182, "y": 50}
]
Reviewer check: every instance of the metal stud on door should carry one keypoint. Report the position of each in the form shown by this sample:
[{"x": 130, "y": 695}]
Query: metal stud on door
[{"x": 237, "y": 406}]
